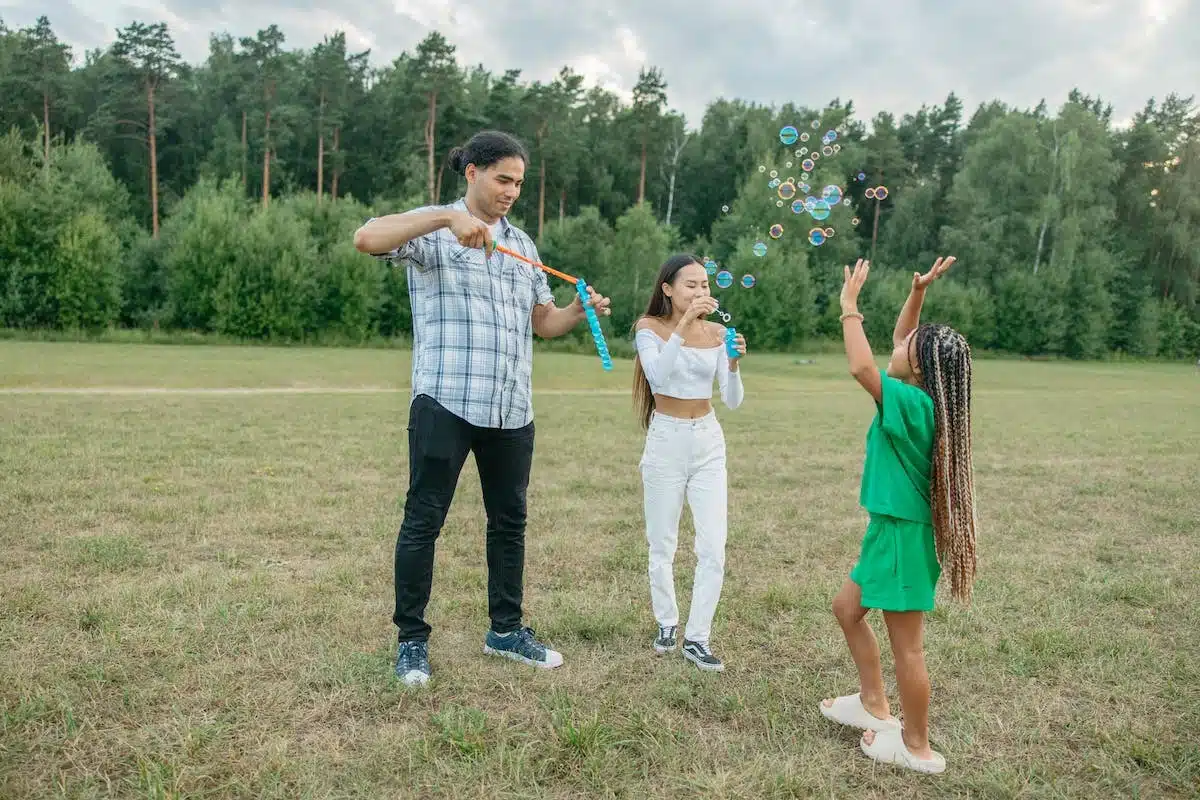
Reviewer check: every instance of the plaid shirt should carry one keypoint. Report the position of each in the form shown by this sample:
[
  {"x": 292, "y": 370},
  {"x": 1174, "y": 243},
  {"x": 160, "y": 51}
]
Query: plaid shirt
[{"x": 472, "y": 323}]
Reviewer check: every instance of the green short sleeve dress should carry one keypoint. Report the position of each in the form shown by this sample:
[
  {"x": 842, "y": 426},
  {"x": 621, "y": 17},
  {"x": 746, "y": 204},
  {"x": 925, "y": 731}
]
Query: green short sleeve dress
[{"x": 897, "y": 567}]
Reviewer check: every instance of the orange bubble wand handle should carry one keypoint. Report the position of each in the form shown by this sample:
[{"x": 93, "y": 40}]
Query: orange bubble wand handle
[{"x": 537, "y": 264}]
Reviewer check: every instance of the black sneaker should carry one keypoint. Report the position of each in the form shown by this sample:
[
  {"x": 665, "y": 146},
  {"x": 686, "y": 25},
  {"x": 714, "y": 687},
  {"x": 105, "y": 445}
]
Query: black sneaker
[
  {"x": 412, "y": 663},
  {"x": 699, "y": 654},
  {"x": 666, "y": 641},
  {"x": 522, "y": 645}
]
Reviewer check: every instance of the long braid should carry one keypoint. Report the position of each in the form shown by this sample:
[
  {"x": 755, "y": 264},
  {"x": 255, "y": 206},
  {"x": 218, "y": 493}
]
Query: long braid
[{"x": 944, "y": 358}]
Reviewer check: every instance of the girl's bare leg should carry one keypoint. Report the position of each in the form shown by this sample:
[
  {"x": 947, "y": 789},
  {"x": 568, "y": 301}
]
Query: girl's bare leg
[
  {"x": 906, "y": 633},
  {"x": 847, "y": 607}
]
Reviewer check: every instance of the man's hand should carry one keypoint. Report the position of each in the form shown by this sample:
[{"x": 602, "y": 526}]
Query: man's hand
[
  {"x": 472, "y": 232},
  {"x": 595, "y": 300}
]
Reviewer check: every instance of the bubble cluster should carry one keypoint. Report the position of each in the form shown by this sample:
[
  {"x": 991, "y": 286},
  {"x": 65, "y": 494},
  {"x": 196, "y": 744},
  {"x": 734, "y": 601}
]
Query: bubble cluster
[
  {"x": 788, "y": 134},
  {"x": 724, "y": 279}
]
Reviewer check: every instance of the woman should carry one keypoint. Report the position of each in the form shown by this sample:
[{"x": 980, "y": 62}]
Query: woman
[{"x": 679, "y": 356}]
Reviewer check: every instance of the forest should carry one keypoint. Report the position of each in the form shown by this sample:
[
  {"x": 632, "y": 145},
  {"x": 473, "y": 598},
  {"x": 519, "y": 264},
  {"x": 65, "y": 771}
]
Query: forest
[{"x": 141, "y": 192}]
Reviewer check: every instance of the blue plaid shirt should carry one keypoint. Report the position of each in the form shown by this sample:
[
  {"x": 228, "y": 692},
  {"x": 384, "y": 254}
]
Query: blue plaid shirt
[{"x": 472, "y": 323}]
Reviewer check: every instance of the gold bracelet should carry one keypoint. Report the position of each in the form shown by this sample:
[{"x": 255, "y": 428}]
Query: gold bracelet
[{"x": 849, "y": 314}]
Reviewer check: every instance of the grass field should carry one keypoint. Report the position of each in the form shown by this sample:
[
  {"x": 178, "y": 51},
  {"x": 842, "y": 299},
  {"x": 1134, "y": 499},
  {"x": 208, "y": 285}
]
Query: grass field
[{"x": 197, "y": 589}]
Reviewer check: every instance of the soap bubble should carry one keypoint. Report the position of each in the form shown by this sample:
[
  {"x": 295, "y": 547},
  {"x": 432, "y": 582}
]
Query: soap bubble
[
  {"x": 808, "y": 165},
  {"x": 798, "y": 206},
  {"x": 846, "y": 202},
  {"x": 762, "y": 167},
  {"x": 881, "y": 193},
  {"x": 774, "y": 173},
  {"x": 710, "y": 267},
  {"x": 816, "y": 123},
  {"x": 810, "y": 203},
  {"x": 788, "y": 165},
  {"x": 862, "y": 176},
  {"x": 748, "y": 281},
  {"x": 854, "y": 221},
  {"x": 827, "y": 150},
  {"x": 831, "y": 135},
  {"x": 724, "y": 209},
  {"x": 832, "y": 194},
  {"x": 800, "y": 151},
  {"x": 776, "y": 231},
  {"x": 760, "y": 249},
  {"x": 804, "y": 137},
  {"x": 816, "y": 237},
  {"x": 820, "y": 210},
  {"x": 779, "y": 204},
  {"x": 724, "y": 279},
  {"x": 870, "y": 193},
  {"x": 804, "y": 176},
  {"x": 837, "y": 148},
  {"x": 829, "y": 231},
  {"x": 788, "y": 134},
  {"x": 786, "y": 191},
  {"x": 804, "y": 187}
]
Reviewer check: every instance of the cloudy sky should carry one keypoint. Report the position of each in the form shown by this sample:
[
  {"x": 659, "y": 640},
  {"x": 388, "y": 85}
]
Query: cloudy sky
[{"x": 883, "y": 54}]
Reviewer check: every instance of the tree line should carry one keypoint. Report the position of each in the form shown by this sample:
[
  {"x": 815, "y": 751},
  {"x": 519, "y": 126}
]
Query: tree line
[{"x": 140, "y": 191}]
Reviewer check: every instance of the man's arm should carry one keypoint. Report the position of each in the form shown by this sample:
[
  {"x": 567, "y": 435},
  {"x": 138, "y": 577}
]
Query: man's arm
[
  {"x": 388, "y": 233},
  {"x": 550, "y": 321}
]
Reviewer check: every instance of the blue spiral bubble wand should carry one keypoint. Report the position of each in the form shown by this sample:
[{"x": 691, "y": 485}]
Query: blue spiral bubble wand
[{"x": 581, "y": 288}]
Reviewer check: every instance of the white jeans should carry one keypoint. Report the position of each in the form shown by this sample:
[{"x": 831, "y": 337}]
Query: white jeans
[{"x": 685, "y": 458}]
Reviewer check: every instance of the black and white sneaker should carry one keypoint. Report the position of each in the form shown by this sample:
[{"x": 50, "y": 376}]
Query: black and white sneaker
[
  {"x": 666, "y": 641},
  {"x": 699, "y": 654}
]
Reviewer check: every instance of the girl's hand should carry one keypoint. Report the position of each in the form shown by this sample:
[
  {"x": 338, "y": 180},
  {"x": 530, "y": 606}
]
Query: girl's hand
[
  {"x": 700, "y": 307},
  {"x": 739, "y": 344},
  {"x": 853, "y": 285},
  {"x": 921, "y": 282}
]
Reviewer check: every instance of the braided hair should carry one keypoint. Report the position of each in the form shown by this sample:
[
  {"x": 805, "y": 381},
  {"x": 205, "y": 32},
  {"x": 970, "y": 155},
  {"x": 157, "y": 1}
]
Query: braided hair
[{"x": 944, "y": 358}]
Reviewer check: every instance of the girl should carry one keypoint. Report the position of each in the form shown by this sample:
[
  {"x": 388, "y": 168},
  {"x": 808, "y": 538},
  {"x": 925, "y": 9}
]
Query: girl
[
  {"x": 918, "y": 488},
  {"x": 679, "y": 355}
]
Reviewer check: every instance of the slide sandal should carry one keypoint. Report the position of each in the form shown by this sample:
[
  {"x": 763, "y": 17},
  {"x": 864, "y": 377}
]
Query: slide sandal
[
  {"x": 849, "y": 710},
  {"x": 889, "y": 748}
]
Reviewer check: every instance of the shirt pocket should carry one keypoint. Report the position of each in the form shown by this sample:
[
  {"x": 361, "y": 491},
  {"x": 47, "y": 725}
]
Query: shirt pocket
[
  {"x": 519, "y": 295},
  {"x": 471, "y": 271}
]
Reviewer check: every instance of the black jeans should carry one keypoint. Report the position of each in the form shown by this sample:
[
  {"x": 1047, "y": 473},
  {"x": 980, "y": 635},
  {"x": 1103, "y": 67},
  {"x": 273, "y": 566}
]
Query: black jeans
[{"x": 438, "y": 443}]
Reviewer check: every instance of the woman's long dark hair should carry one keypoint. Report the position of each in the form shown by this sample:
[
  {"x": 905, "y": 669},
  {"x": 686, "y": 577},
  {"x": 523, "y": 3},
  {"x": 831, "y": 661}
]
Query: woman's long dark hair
[{"x": 659, "y": 307}]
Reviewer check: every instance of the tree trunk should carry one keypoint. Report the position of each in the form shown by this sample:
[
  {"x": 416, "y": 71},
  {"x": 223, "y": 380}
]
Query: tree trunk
[
  {"x": 245, "y": 151},
  {"x": 321, "y": 148},
  {"x": 266, "y": 187},
  {"x": 541, "y": 137},
  {"x": 562, "y": 205},
  {"x": 441, "y": 172},
  {"x": 153, "y": 161},
  {"x": 333, "y": 187},
  {"x": 430, "y": 143},
  {"x": 46, "y": 125},
  {"x": 1037, "y": 258},
  {"x": 642, "y": 179}
]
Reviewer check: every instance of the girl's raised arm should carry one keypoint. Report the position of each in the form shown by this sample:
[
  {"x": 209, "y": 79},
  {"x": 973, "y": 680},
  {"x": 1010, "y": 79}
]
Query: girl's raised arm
[{"x": 858, "y": 349}]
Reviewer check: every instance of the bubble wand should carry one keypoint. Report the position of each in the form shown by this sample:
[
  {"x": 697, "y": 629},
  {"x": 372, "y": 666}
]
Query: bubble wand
[{"x": 581, "y": 288}]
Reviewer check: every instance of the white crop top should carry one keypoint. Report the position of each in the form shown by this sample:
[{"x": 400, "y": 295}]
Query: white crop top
[{"x": 687, "y": 373}]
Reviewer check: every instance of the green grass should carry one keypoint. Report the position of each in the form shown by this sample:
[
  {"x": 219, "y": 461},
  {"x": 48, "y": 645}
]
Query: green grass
[{"x": 197, "y": 589}]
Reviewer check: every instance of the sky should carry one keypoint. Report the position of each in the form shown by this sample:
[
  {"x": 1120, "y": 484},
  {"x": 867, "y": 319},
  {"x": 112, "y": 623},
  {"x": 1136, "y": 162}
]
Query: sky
[{"x": 892, "y": 55}]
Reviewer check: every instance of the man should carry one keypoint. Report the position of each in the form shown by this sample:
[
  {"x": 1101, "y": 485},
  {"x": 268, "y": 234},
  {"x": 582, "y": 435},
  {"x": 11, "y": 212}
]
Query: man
[{"x": 474, "y": 313}]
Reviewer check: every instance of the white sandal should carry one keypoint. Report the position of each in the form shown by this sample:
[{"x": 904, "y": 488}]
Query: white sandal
[
  {"x": 849, "y": 710},
  {"x": 889, "y": 748}
]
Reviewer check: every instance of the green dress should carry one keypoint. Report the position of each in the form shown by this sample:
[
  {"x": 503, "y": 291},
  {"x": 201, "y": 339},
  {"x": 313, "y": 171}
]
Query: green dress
[{"x": 897, "y": 567}]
